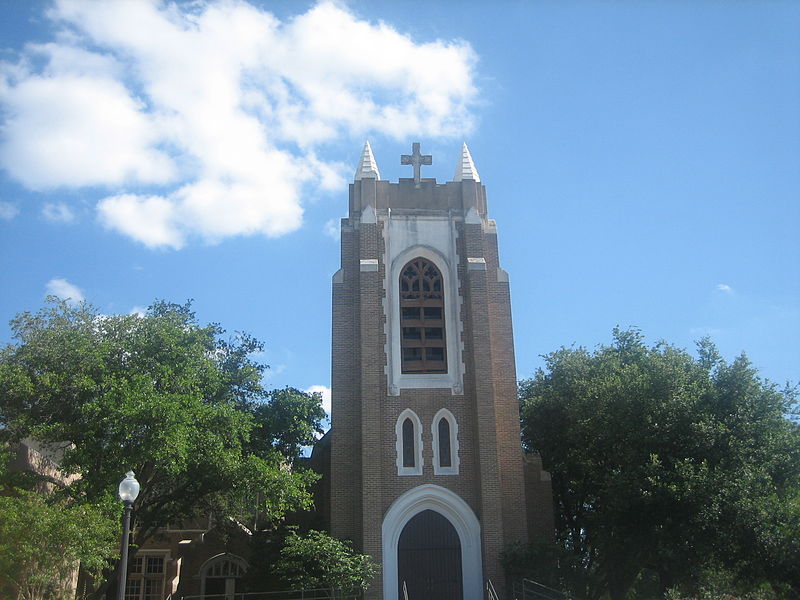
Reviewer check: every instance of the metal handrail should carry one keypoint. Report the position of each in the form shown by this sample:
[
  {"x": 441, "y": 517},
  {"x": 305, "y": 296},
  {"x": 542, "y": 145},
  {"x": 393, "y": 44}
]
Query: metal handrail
[
  {"x": 490, "y": 591},
  {"x": 527, "y": 589}
]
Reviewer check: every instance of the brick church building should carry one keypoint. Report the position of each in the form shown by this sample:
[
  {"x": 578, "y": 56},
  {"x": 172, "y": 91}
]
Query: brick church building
[
  {"x": 426, "y": 470},
  {"x": 423, "y": 467}
]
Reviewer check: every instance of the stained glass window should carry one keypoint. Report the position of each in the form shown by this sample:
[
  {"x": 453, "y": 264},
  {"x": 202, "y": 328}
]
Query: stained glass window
[{"x": 423, "y": 343}]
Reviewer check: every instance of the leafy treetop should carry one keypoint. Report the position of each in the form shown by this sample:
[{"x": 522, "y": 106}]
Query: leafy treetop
[
  {"x": 159, "y": 394},
  {"x": 664, "y": 465}
]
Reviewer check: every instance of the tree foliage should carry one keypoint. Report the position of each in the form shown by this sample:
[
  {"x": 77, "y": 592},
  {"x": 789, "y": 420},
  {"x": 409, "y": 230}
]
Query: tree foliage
[
  {"x": 44, "y": 538},
  {"x": 289, "y": 421},
  {"x": 159, "y": 394},
  {"x": 663, "y": 463},
  {"x": 318, "y": 561}
]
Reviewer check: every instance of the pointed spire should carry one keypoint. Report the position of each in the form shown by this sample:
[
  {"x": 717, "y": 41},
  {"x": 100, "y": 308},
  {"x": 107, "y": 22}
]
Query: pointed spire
[
  {"x": 465, "y": 168},
  {"x": 367, "y": 167}
]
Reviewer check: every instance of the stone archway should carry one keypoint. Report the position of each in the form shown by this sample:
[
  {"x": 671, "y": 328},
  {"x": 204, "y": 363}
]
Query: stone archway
[{"x": 457, "y": 514}]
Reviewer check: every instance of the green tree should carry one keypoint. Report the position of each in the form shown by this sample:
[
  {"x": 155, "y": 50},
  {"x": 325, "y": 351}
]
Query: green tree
[
  {"x": 319, "y": 561},
  {"x": 289, "y": 421},
  {"x": 662, "y": 462},
  {"x": 44, "y": 539},
  {"x": 159, "y": 394}
]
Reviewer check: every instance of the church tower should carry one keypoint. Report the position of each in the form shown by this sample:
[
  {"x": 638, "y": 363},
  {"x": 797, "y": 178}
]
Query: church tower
[{"x": 427, "y": 471}]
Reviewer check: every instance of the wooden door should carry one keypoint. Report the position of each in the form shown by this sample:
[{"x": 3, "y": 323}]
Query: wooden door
[{"x": 429, "y": 559}]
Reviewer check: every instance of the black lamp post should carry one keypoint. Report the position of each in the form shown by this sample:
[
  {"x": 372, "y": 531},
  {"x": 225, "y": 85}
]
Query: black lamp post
[{"x": 128, "y": 490}]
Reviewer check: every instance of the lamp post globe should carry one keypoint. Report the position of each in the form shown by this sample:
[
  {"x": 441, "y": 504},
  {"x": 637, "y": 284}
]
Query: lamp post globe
[
  {"x": 128, "y": 488},
  {"x": 128, "y": 491}
]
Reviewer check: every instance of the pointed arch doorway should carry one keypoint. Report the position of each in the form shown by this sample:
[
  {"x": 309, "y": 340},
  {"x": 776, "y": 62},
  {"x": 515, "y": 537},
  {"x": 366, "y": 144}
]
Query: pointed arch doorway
[
  {"x": 429, "y": 558},
  {"x": 458, "y": 516}
]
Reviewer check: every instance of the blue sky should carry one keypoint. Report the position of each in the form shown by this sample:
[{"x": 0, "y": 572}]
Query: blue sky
[{"x": 642, "y": 160}]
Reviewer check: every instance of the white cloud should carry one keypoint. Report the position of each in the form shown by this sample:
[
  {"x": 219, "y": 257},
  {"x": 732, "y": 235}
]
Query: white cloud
[
  {"x": 273, "y": 370},
  {"x": 58, "y": 212},
  {"x": 8, "y": 211},
  {"x": 138, "y": 310},
  {"x": 724, "y": 287},
  {"x": 78, "y": 131},
  {"x": 325, "y": 392},
  {"x": 149, "y": 220},
  {"x": 331, "y": 229},
  {"x": 222, "y": 109},
  {"x": 64, "y": 289}
]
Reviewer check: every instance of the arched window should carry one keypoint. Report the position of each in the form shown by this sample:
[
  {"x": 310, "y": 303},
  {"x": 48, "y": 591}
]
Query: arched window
[
  {"x": 422, "y": 332},
  {"x": 221, "y": 576},
  {"x": 409, "y": 443},
  {"x": 445, "y": 443}
]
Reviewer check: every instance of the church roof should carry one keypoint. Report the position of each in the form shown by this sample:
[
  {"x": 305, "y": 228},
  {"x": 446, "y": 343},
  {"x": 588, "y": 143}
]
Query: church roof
[
  {"x": 367, "y": 166},
  {"x": 465, "y": 168}
]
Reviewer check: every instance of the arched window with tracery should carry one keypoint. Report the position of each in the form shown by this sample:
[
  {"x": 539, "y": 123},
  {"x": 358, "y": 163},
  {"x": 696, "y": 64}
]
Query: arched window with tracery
[
  {"x": 222, "y": 577},
  {"x": 422, "y": 331}
]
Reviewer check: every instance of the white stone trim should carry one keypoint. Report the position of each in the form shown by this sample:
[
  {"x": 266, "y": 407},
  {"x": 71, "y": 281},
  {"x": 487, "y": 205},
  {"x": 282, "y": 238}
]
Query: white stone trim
[
  {"x": 398, "y": 432},
  {"x": 472, "y": 217},
  {"x": 454, "y": 445},
  {"x": 465, "y": 167},
  {"x": 476, "y": 264},
  {"x": 368, "y": 215},
  {"x": 451, "y": 506},
  {"x": 399, "y": 253},
  {"x": 369, "y": 264},
  {"x": 367, "y": 166}
]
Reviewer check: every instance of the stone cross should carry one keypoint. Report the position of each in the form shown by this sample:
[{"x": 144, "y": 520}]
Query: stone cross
[{"x": 416, "y": 159}]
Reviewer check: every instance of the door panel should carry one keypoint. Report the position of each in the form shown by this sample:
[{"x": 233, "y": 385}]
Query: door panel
[{"x": 429, "y": 559}]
